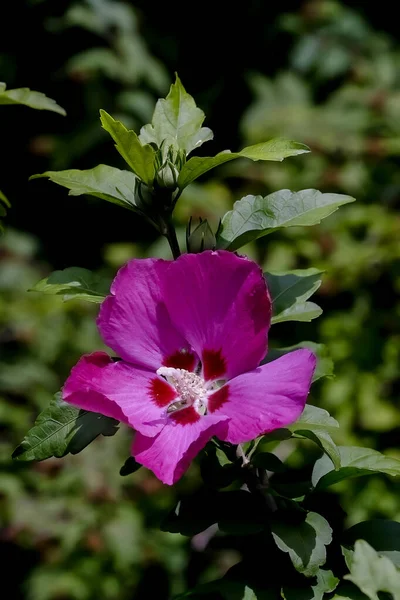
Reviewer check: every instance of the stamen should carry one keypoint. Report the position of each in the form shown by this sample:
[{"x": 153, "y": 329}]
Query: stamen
[{"x": 192, "y": 389}]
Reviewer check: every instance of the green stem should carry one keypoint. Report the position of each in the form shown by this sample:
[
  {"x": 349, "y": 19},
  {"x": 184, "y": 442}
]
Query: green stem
[{"x": 170, "y": 234}]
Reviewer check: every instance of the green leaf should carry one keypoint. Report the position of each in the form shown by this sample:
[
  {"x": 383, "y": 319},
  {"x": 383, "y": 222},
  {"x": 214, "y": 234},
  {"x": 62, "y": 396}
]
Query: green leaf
[
  {"x": 382, "y": 534},
  {"x": 107, "y": 183},
  {"x": 316, "y": 424},
  {"x": 74, "y": 283},
  {"x": 325, "y": 442},
  {"x": 355, "y": 462},
  {"x": 276, "y": 149},
  {"x": 177, "y": 120},
  {"x": 62, "y": 429},
  {"x": 139, "y": 157},
  {"x": 315, "y": 419},
  {"x": 289, "y": 292},
  {"x": 28, "y": 97},
  {"x": 269, "y": 462},
  {"x": 254, "y": 216},
  {"x": 324, "y": 363},
  {"x": 130, "y": 466},
  {"x": 373, "y": 573},
  {"x": 217, "y": 471},
  {"x": 326, "y": 583},
  {"x": 305, "y": 542}
]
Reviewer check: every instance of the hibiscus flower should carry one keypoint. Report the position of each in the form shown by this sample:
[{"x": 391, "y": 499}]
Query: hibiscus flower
[{"x": 190, "y": 334}]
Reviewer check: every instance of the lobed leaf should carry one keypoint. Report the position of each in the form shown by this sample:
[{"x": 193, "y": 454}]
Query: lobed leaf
[
  {"x": 325, "y": 583},
  {"x": 373, "y": 573},
  {"x": 177, "y": 121},
  {"x": 304, "y": 542},
  {"x": 382, "y": 534}
]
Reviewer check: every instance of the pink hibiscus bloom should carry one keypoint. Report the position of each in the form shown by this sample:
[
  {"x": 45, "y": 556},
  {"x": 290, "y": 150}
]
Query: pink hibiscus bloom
[{"x": 191, "y": 334}]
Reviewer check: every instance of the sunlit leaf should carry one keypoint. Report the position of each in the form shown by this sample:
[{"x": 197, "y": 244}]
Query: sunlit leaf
[
  {"x": 355, "y": 462},
  {"x": 373, "y": 573},
  {"x": 139, "y": 157},
  {"x": 314, "y": 418},
  {"x": 276, "y": 149},
  {"x": 28, "y": 97},
  {"x": 289, "y": 293},
  {"x": 177, "y": 120},
  {"x": 326, "y": 582},
  {"x": 74, "y": 283},
  {"x": 107, "y": 183},
  {"x": 305, "y": 541},
  {"x": 254, "y": 216},
  {"x": 382, "y": 534}
]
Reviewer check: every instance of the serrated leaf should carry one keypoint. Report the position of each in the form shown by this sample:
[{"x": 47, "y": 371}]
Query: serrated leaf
[
  {"x": 326, "y": 583},
  {"x": 107, "y": 183},
  {"x": 139, "y": 157},
  {"x": 276, "y": 150},
  {"x": 355, "y": 462},
  {"x": 30, "y": 98},
  {"x": 254, "y": 216},
  {"x": 62, "y": 429},
  {"x": 177, "y": 120},
  {"x": 382, "y": 534},
  {"x": 373, "y": 573},
  {"x": 304, "y": 542},
  {"x": 324, "y": 366},
  {"x": 289, "y": 292},
  {"x": 74, "y": 283}
]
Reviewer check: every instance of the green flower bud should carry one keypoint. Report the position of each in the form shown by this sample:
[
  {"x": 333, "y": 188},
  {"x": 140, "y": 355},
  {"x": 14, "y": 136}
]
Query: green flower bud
[
  {"x": 201, "y": 238},
  {"x": 143, "y": 195},
  {"x": 167, "y": 176}
]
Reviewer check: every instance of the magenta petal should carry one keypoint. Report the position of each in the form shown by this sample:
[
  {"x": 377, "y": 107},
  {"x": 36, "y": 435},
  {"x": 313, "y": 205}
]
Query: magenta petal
[
  {"x": 170, "y": 453},
  {"x": 220, "y": 304},
  {"x": 134, "y": 322},
  {"x": 270, "y": 397},
  {"x": 119, "y": 390}
]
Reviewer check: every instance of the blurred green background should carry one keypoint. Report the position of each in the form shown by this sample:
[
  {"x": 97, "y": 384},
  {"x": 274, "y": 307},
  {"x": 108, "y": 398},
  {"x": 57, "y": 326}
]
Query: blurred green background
[{"x": 323, "y": 73}]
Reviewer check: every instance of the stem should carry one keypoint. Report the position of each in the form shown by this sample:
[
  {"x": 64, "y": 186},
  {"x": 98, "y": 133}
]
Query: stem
[{"x": 170, "y": 234}]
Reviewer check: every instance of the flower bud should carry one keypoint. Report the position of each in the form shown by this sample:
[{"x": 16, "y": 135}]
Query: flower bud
[
  {"x": 143, "y": 195},
  {"x": 201, "y": 238},
  {"x": 167, "y": 176}
]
